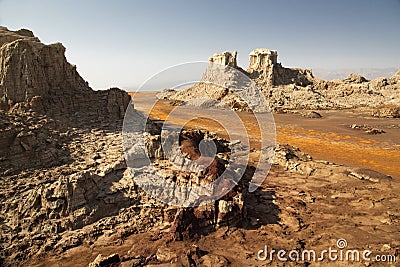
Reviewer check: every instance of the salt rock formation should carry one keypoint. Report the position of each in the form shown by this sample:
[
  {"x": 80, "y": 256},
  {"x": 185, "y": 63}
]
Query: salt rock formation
[
  {"x": 262, "y": 64},
  {"x": 354, "y": 78},
  {"x": 38, "y": 76},
  {"x": 267, "y": 72},
  {"x": 226, "y": 58},
  {"x": 288, "y": 89},
  {"x": 237, "y": 88}
]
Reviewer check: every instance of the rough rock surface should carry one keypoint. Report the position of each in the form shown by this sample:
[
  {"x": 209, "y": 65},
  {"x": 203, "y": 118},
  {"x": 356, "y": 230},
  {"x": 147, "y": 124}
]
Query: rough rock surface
[
  {"x": 229, "y": 86},
  {"x": 38, "y": 77},
  {"x": 262, "y": 64},
  {"x": 267, "y": 72},
  {"x": 55, "y": 130},
  {"x": 387, "y": 111},
  {"x": 41, "y": 94},
  {"x": 64, "y": 181},
  {"x": 65, "y": 187},
  {"x": 91, "y": 194},
  {"x": 304, "y": 203},
  {"x": 226, "y": 58},
  {"x": 111, "y": 261},
  {"x": 296, "y": 89}
]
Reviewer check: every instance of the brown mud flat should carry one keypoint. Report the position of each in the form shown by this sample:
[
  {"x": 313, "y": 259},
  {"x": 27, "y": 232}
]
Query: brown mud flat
[
  {"x": 328, "y": 138},
  {"x": 290, "y": 211}
]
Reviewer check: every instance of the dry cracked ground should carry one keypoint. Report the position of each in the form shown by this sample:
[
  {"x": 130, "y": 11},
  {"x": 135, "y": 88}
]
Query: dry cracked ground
[
  {"x": 304, "y": 203},
  {"x": 87, "y": 205}
]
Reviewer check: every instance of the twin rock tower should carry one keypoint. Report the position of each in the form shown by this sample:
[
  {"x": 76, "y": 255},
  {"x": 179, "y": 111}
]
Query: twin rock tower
[{"x": 264, "y": 68}]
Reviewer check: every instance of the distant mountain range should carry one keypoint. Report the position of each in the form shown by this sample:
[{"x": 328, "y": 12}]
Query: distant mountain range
[{"x": 369, "y": 73}]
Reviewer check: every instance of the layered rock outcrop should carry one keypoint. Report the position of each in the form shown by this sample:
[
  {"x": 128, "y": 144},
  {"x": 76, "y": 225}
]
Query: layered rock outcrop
[
  {"x": 40, "y": 95},
  {"x": 288, "y": 89},
  {"x": 38, "y": 77},
  {"x": 262, "y": 65},
  {"x": 267, "y": 72},
  {"x": 188, "y": 223},
  {"x": 54, "y": 127},
  {"x": 226, "y": 58}
]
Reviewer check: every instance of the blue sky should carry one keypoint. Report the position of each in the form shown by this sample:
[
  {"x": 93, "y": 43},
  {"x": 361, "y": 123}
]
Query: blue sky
[{"x": 122, "y": 43}]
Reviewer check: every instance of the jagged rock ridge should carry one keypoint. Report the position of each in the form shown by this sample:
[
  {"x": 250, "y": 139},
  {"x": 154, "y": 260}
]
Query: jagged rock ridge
[
  {"x": 38, "y": 76},
  {"x": 41, "y": 89}
]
